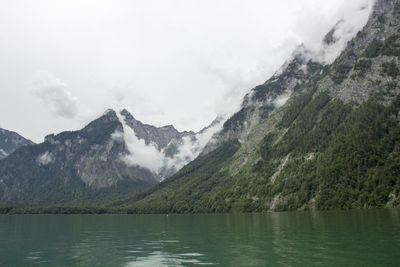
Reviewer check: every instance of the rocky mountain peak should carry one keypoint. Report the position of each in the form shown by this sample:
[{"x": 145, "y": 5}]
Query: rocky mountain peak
[
  {"x": 10, "y": 141},
  {"x": 109, "y": 115},
  {"x": 127, "y": 114},
  {"x": 161, "y": 136}
]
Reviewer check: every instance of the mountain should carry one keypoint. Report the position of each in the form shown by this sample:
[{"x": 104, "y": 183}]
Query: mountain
[
  {"x": 103, "y": 161},
  {"x": 314, "y": 136},
  {"x": 10, "y": 141},
  {"x": 80, "y": 165}
]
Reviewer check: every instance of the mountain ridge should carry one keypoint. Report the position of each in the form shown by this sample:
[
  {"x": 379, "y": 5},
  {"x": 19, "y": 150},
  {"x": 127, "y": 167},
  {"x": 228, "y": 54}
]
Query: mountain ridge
[{"x": 88, "y": 164}]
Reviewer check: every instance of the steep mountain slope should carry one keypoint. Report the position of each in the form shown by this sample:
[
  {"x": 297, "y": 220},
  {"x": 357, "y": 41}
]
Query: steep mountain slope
[
  {"x": 10, "y": 141},
  {"x": 265, "y": 98},
  {"x": 334, "y": 144}
]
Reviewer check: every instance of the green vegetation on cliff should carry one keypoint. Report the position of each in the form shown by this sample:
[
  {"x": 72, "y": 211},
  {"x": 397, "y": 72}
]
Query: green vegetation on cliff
[{"x": 338, "y": 157}]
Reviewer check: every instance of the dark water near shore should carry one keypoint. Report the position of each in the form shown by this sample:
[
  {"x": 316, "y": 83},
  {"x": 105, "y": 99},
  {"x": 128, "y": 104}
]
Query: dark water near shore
[{"x": 336, "y": 238}]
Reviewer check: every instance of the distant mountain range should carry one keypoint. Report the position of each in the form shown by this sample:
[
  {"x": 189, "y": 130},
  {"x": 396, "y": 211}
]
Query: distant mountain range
[
  {"x": 10, "y": 141},
  {"x": 100, "y": 162}
]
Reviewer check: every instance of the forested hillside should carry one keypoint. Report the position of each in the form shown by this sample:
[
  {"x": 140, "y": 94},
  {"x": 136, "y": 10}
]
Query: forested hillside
[{"x": 335, "y": 144}]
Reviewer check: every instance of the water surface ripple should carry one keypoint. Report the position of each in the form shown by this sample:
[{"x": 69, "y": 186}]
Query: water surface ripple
[{"x": 335, "y": 238}]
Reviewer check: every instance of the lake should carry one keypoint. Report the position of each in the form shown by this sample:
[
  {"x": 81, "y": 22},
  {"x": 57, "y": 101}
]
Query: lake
[{"x": 334, "y": 238}]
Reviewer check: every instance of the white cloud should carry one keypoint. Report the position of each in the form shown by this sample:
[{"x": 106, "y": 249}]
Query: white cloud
[
  {"x": 3, "y": 153},
  {"x": 117, "y": 136},
  {"x": 348, "y": 18},
  {"x": 45, "y": 158},
  {"x": 281, "y": 99},
  {"x": 54, "y": 94},
  {"x": 148, "y": 156},
  {"x": 190, "y": 149},
  {"x": 140, "y": 154}
]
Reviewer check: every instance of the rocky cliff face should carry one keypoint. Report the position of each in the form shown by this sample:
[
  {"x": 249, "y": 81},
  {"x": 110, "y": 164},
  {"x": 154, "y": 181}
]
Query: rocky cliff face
[
  {"x": 360, "y": 70},
  {"x": 10, "y": 141},
  {"x": 161, "y": 136}
]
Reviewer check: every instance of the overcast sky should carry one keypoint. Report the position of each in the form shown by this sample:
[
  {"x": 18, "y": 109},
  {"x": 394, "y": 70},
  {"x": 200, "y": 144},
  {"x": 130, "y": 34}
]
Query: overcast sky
[{"x": 62, "y": 63}]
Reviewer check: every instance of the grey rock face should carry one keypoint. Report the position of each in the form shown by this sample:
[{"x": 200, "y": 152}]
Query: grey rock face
[
  {"x": 359, "y": 80},
  {"x": 10, "y": 141},
  {"x": 161, "y": 136}
]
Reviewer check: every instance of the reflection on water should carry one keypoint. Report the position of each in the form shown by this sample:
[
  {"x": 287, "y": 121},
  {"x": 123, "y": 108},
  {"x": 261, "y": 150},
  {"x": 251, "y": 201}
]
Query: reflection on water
[
  {"x": 159, "y": 258},
  {"x": 355, "y": 238},
  {"x": 106, "y": 246},
  {"x": 154, "y": 253},
  {"x": 35, "y": 257},
  {"x": 99, "y": 246}
]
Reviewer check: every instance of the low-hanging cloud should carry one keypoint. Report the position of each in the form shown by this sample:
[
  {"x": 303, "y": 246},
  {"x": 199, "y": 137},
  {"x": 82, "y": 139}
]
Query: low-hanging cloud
[
  {"x": 45, "y": 158},
  {"x": 148, "y": 156},
  {"x": 191, "y": 148},
  {"x": 54, "y": 94},
  {"x": 352, "y": 15}
]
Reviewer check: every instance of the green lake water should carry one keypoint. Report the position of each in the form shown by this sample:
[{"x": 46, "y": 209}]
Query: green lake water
[{"x": 335, "y": 238}]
